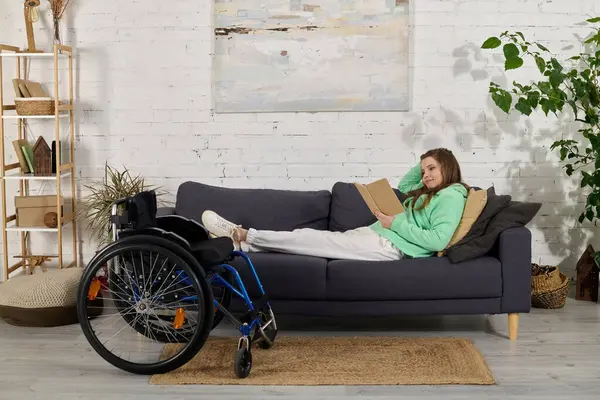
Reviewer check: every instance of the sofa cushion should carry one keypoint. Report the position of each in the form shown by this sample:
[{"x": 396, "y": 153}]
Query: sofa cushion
[
  {"x": 476, "y": 201},
  {"x": 284, "y": 276},
  {"x": 428, "y": 278},
  {"x": 256, "y": 208},
  {"x": 349, "y": 210}
]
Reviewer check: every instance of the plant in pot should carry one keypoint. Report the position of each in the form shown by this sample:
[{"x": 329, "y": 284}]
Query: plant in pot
[
  {"x": 564, "y": 86},
  {"x": 96, "y": 206}
]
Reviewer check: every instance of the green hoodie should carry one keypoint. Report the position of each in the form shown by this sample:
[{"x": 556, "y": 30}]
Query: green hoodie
[{"x": 424, "y": 232}]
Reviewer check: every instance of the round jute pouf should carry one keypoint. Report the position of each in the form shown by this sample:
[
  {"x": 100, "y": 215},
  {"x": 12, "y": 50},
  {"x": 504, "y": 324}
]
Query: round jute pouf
[{"x": 42, "y": 299}]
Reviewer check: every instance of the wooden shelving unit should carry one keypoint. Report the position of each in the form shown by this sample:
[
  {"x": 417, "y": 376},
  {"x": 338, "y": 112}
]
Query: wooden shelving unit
[{"x": 63, "y": 109}]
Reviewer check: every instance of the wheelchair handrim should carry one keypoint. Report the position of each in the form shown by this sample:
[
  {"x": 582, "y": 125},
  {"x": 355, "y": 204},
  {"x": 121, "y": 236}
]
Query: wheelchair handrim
[{"x": 187, "y": 351}]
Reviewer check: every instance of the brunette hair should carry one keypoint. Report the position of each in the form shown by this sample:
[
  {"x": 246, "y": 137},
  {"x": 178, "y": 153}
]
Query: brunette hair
[{"x": 451, "y": 174}]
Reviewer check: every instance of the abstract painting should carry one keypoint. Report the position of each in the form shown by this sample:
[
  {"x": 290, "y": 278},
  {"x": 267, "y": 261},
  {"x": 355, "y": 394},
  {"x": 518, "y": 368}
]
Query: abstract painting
[{"x": 310, "y": 55}]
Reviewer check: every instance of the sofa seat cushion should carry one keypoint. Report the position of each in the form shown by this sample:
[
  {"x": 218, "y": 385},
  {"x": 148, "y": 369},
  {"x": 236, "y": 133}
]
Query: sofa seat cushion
[
  {"x": 256, "y": 208},
  {"x": 430, "y": 278},
  {"x": 284, "y": 276}
]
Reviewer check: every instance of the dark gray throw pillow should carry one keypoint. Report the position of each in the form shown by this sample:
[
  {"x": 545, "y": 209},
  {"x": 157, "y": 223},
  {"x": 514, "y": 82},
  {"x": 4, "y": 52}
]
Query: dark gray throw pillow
[{"x": 499, "y": 214}]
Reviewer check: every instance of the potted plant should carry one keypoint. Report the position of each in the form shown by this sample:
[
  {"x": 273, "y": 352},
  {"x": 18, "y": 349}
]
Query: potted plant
[
  {"x": 96, "y": 207},
  {"x": 562, "y": 88}
]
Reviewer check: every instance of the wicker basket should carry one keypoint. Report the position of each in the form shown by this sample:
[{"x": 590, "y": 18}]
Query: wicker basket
[
  {"x": 549, "y": 287},
  {"x": 34, "y": 105}
]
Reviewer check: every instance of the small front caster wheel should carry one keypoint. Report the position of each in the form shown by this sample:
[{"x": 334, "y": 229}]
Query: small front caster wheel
[{"x": 243, "y": 362}]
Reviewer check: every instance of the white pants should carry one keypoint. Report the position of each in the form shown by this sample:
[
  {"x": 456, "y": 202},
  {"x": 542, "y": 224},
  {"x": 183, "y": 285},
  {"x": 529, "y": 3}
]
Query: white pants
[{"x": 357, "y": 244}]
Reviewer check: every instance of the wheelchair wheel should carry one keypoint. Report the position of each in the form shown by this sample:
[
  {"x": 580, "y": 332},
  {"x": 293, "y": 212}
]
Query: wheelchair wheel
[
  {"x": 151, "y": 296},
  {"x": 266, "y": 318},
  {"x": 242, "y": 364}
]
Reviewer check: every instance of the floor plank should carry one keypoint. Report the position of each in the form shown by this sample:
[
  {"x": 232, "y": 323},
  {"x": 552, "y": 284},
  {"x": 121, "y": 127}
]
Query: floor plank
[{"x": 556, "y": 355}]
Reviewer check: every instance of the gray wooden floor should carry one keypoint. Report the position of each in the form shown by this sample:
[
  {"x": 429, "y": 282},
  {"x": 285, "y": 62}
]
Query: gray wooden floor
[{"x": 556, "y": 355}]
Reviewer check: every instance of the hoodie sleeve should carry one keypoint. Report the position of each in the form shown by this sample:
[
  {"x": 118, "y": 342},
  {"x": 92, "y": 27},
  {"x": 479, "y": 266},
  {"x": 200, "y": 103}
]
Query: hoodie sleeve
[
  {"x": 412, "y": 180},
  {"x": 445, "y": 217}
]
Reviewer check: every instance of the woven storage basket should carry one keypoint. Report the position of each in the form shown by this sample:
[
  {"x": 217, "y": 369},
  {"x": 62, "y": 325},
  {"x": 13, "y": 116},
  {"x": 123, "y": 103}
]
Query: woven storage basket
[
  {"x": 34, "y": 106},
  {"x": 549, "y": 287}
]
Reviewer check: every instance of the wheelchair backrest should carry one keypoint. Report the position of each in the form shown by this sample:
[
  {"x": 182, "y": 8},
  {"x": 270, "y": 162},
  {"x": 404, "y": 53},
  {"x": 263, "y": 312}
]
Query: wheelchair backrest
[
  {"x": 138, "y": 212},
  {"x": 144, "y": 209}
]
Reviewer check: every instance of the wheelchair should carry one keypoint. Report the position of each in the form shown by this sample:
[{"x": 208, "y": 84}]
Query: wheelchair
[{"x": 161, "y": 286}]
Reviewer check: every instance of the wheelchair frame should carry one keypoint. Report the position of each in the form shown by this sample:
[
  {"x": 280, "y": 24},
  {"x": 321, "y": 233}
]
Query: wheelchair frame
[{"x": 259, "y": 315}]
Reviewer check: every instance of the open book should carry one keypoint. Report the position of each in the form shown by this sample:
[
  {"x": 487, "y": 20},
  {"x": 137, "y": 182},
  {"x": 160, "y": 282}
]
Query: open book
[{"x": 380, "y": 196}]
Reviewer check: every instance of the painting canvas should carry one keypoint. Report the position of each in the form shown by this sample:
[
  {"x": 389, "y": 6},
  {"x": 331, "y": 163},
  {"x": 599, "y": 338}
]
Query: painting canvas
[{"x": 310, "y": 55}]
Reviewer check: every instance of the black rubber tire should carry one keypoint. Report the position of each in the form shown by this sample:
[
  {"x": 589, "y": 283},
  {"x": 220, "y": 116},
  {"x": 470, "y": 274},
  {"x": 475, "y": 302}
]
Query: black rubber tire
[
  {"x": 196, "y": 274},
  {"x": 243, "y": 362}
]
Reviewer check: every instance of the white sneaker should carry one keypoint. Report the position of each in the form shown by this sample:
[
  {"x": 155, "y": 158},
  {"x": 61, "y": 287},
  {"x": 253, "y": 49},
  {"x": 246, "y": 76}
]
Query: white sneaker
[{"x": 219, "y": 226}]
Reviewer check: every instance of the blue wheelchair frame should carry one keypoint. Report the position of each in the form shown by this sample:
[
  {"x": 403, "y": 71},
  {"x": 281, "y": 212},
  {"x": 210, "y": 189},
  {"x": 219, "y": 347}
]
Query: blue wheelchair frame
[{"x": 245, "y": 329}]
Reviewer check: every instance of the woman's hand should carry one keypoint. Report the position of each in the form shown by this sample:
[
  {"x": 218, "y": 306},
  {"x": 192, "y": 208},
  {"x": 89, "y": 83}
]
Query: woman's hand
[{"x": 386, "y": 220}]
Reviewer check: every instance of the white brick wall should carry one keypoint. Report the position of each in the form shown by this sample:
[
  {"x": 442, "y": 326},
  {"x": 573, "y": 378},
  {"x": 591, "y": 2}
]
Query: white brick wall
[{"x": 143, "y": 75}]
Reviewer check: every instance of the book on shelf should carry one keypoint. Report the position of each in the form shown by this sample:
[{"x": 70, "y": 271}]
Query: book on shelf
[
  {"x": 25, "y": 88},
  {"x": 19, "y": 145},
  {"x": 28, "y": 154}
]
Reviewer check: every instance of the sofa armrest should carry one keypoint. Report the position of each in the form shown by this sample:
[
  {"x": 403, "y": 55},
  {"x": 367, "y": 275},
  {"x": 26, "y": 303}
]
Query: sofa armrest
[
  {"x": 162, "y": 211},
  {"x": 514, "y": 252}
]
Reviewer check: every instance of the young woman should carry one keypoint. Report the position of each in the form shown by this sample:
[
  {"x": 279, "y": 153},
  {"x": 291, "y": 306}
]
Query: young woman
[{"x": 433, "y": 210}]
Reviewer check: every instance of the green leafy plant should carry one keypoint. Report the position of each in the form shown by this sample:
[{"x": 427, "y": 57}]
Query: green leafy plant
[
  {"x": 562, "y": 88},
  {"x": 96, "y": 207}
]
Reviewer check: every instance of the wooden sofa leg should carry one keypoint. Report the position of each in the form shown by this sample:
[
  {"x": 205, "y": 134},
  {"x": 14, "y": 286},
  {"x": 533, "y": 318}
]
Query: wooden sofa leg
[{"x": 513, "y": 325}]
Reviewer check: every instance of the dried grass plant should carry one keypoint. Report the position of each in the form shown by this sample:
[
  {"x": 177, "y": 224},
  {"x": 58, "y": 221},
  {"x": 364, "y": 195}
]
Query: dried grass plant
[
  {"x": 96, "y": 207},
  {"x": 58, "y": 8}
]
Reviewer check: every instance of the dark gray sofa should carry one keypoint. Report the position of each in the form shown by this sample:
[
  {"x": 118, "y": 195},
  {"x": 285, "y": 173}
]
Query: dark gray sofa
[{"x": 496, "y": 283}]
